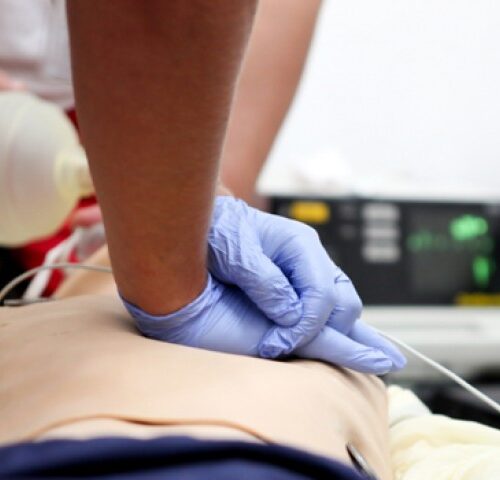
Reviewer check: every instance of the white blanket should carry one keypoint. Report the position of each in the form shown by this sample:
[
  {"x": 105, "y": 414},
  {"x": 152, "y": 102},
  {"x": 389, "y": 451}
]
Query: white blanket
[{"x": 434, "y": 447}]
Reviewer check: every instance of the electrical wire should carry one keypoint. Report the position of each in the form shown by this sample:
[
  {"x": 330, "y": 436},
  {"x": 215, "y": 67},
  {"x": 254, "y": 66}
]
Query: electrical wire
[
  {"x": 54, "y": 266},
  {"x": 432, "y": 363},
  {"x": 446, "y": 372}
]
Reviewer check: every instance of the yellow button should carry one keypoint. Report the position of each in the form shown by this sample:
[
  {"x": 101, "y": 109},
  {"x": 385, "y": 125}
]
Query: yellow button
[
  {"x": 478, "y": 299},
  {"x": 310, "y": 212}
]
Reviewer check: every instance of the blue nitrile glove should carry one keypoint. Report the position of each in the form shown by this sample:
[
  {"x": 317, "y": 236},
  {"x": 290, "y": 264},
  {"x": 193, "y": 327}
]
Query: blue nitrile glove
[
  {"x": 283, "y": 268},
  {"x": 223, "y": 318}
]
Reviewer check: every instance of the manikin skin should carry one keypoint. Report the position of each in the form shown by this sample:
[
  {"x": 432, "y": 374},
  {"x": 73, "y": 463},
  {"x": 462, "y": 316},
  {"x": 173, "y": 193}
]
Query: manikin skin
[
  {"x": 84, "y": 342},
  {"x": 356, "y": 412},
  {"x": 86, "y": 373}
]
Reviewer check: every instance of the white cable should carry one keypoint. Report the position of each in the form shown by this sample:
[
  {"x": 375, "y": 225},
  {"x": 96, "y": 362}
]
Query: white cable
[
  {"x": 448, "y": 373},
  {"x": 20, "y": 278}
]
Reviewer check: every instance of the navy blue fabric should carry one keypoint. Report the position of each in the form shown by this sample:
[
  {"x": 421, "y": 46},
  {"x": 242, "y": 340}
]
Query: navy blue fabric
[{"x": 166, "y": 458}]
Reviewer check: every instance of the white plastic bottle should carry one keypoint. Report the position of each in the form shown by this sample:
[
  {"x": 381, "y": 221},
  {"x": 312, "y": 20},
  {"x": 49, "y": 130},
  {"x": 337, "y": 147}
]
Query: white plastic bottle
[{"x": 43, "y": 168}]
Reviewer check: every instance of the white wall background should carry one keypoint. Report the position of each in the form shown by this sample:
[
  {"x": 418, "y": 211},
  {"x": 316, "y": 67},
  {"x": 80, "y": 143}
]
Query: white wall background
[{"x": 401, "y": 89}]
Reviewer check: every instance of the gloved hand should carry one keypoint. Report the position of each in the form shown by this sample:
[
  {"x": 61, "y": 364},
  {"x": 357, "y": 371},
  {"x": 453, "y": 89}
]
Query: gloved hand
[
  {"x": 223, "y": 318},
  {"x": 282, "y": 267}
]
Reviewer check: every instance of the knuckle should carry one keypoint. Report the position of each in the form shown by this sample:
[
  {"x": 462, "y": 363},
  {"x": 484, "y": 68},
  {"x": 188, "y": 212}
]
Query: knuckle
[
  {"x": 294, "y": 226},
  {"x": 304, "y": 235},
  {"x": 354, "y": 305}
]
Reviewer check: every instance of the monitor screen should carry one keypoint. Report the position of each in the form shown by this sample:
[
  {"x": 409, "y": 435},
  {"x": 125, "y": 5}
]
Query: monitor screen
[{"x": 450, "y": 251}]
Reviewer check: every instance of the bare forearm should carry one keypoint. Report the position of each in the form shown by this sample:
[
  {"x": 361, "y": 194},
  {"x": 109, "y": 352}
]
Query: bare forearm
[
  {"x": 154, "y": 83},
  {"x": 270, "y": 74}
]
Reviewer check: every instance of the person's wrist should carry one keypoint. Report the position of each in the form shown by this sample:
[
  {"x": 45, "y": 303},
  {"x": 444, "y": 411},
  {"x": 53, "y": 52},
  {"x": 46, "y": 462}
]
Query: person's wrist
[
  {"x": 180, "y": 290},
  {"x": 194, "y": 308}
]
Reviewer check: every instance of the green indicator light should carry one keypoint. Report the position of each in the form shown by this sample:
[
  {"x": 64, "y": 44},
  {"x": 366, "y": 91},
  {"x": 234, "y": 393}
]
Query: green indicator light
[
  {"x": 482, "y": 268},
  {"x": 468, "y": 226},
  {"x": 413, "y": 243},
  {"x": 419, "y": 241}
]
